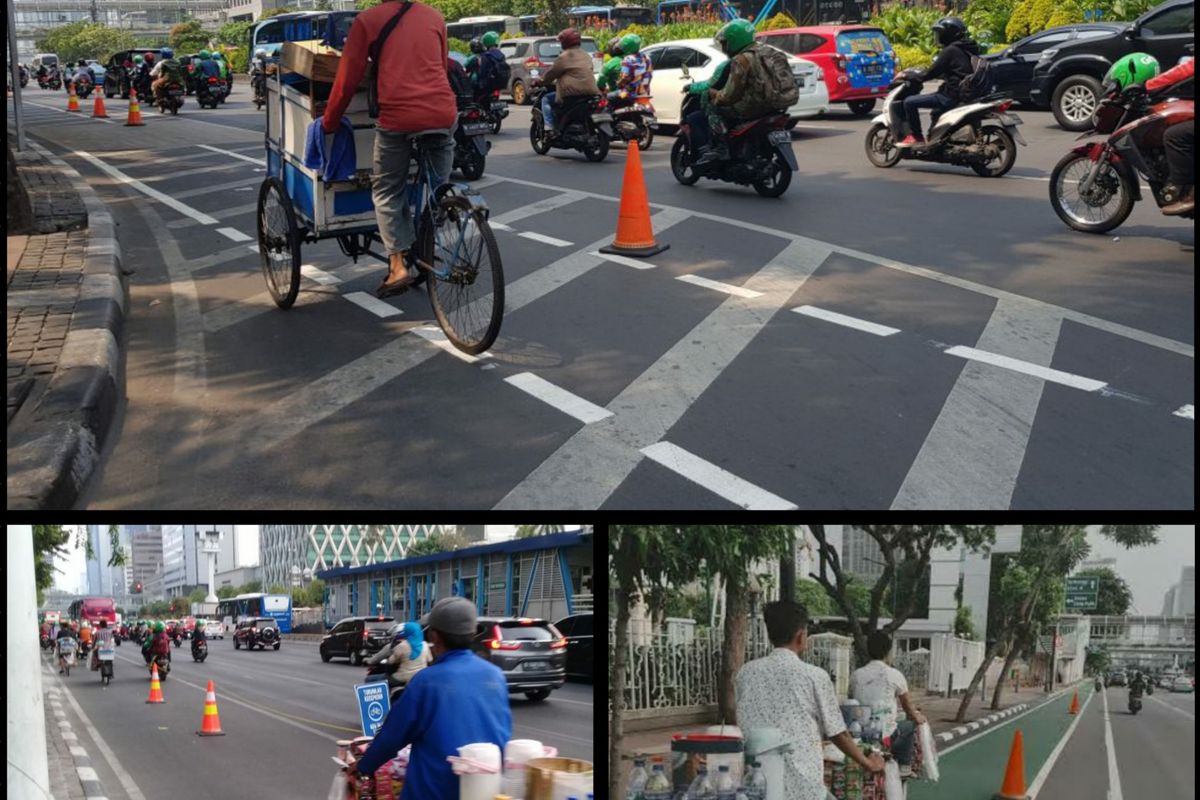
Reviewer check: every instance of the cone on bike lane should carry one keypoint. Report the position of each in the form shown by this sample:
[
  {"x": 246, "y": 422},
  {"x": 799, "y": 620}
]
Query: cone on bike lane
[
  {"x": 1013, "y": 787},
  {"x": 98, "y": 109},
  {"x": 211, "y": 726},
  {"x": 72, "y": 100},
  {"x": 135, "y": 111},
  {"x": 635, "y": 235},
  {"x": 156, "y": 695},
  {"x": 1074, "y": 702}
]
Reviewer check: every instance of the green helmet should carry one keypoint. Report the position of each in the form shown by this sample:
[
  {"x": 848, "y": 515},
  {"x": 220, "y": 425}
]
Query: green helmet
[
  {"x": 158, "y": 627},
  {"x": 1133, "y": 69},
  {"x": 137, "y": 59},
  {"x": 204, "y": 54},
  {"x": 735, "y": 36},
  {"x": 631, "y": 43},
  {"x": 491, "y": 39}
]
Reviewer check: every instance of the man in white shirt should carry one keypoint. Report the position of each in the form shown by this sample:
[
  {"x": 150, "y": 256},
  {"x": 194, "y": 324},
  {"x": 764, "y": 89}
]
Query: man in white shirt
[
  {"x": 781, "y": 691},
  {"x": 879, "y": 684}
]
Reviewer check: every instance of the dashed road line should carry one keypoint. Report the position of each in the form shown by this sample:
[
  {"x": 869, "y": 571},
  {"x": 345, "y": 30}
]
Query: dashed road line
[
  {"x": 570, "y": 404},
  {"x": 719, "y": 481},
  {"x": 626, "y": 260},
  {"x": 165, "y": 199},
  {"x": 846, "y": 320},
  {"x": 258, "y": 161},
  {"x": 320, "y": 276},
  {"x": 708, "y": 283},
  {"x": 373, "y": 304},
  {"x": 1016, "y": 365},
  {"x": 539, "y": 237},
  {"x": 232, "y": 233}
]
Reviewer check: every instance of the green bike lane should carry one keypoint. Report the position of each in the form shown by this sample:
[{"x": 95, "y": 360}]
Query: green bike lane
[{"x": 974, "y": 769}]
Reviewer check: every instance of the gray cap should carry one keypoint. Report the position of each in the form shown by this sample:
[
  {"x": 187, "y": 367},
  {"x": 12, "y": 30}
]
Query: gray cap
[{"x": 455, "y": 615}]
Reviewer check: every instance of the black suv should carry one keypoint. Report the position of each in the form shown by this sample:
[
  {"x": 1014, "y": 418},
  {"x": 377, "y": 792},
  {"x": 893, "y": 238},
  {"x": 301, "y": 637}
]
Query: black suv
[
  {"x": 260, "y": 632},
  {"x": 357, "y": 638},
  {"x": 1067, "y": 77},
  {"x": 578, "y": 632},
  {"x": 531, "y": 652},
  {"x": 116, "y": 79}
]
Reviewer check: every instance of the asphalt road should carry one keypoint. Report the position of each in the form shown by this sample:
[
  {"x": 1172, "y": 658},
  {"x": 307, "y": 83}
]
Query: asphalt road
[
  {"x": 282, "y": 713},
  {"x": 765, "y": 389}
]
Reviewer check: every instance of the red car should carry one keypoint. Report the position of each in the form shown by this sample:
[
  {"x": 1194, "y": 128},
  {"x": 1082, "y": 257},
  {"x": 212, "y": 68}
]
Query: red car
[{"x": 857, "y": 60}]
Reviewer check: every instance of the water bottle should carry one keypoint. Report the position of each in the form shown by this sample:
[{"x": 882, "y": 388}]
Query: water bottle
[
  {"x": 755, "y": 782},
  {"x": 658, "y": 787},
  {"x": 637, "y": 780},
  {"x": 701, "y": 788},
  {"x": 725, "y": 787}
]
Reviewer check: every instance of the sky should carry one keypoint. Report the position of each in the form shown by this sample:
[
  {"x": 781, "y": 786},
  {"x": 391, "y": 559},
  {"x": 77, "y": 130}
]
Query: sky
[{"x": 1149, "y": 571}]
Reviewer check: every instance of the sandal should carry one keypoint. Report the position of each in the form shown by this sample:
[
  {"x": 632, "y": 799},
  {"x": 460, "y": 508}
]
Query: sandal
[{"x": 401, "y": 286}]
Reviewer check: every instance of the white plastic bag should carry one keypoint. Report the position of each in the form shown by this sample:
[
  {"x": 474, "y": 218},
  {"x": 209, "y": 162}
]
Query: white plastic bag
[
  {"x": 892, "y": 787},
  {"x": 928, "y": 751}
]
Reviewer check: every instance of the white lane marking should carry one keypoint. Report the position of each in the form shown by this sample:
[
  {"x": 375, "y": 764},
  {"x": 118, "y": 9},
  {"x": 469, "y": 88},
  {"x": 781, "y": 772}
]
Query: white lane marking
[
  {"x": 627, "y": 261},
  {"x": 727, "y": 288},
  {"x": 244, "y": 189},
  {"x": 716, "y": 480},
  {"x": 373, "y": 304},
  {"x": 1037, "y": 371},
  {"x": 847, "y": 321},
  {"x": 566, "y": 402},
  {"x": 539, "y": 237},
  {"x": 320, "y": 276},
  {"x": 500, "y": 226},
  {"x": 167, "y": 200},
  {"x": 81, "y": 114},
  {"x": 435, "y": 336},
  {"x": 232, "y": 154},
  {"x": 1187, "y": 412},
  {"x": 539, "y": 206},
  {"x": 234, "y": 233},
  {"x": 252, "y": 248}
]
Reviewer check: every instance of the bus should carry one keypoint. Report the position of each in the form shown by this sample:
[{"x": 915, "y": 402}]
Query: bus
[
  {"x": 615, "y": 17},
  {"x": 255, "y": 604},
  {"x": 93, "y": 609},
  {"x": 270, "y": 34},
  {"x": 468, "y": 28}
]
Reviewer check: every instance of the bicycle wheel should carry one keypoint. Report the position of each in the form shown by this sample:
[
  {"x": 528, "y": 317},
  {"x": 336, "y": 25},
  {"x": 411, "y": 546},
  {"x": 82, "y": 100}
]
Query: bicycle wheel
[
  {"x": 278, "y": 242},
  {"x": 466, "y": 286}
]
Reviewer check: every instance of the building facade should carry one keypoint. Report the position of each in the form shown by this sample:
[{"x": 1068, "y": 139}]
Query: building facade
[
  {"x": 184, "y": 565},
  {"x": 548, "y": 577},
  {"x": 323, "y": 547},
  {"x": 147, "y": 560}
]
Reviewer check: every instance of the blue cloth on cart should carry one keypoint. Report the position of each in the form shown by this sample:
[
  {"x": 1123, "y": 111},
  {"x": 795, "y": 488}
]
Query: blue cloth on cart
[{"x": 340, "y": 162}]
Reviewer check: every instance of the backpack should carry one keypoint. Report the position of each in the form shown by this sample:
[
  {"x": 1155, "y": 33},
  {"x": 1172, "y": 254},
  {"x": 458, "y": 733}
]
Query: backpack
[
  {"x": 978, "y": 82},
  {"x": 460, "y": 82},
  {"x": 780, "y": 89},
  {"x": 501, "y": 72}
]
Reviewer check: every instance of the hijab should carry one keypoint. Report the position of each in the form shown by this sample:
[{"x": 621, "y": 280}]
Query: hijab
[{"x": 415, "y": 638}]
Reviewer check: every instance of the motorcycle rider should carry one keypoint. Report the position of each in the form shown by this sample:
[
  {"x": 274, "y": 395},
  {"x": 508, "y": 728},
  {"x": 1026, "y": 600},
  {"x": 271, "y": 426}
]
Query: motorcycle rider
[
  {"x": 207, "y": 68},
  {"x": 571, "y": 74},
  {"x": 735, "y": 92},
  {"x": 165, "y": 72},
  {"x": 611, "y": 71},
  {"x": 1179, "y": 142},
  {"x": 198, "y": 635},
  {"x": 408, "y": 653},
  {"x": 85, "y": 638},
  {"x": 64, "y": 632},
  {"x": 258, "y": 72},
  {"x": 159, "y": 644},
  {"x": 83, "y": 71},
  {"x": 1137, "y": 686},
  {"x": 104, "y": 638},
  {"x": 952, "y": 64},
  {"x": 487, "y": 67},
  {"x": 636, "y": 72}
]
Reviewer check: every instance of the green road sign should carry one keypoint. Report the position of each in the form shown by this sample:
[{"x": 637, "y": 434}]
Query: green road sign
[{"x": 1082, "y": 593}]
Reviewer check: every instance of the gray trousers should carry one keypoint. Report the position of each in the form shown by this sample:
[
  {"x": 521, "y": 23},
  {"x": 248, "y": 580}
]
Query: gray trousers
[{"x": 393, "y": 149}]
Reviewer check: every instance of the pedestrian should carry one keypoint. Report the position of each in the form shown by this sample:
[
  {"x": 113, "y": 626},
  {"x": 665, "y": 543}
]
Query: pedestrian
[
  {"x": 878, "y": 684},
  {"x": 781, "y": 691}
]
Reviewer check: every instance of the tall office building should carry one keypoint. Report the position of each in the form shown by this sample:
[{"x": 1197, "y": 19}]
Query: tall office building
[
  {"x": 319, "y": 547},
  {"x": 1180, "y": 599},
  {"x": 147, "y": 560},
  {"x": 184, "y": 564}
]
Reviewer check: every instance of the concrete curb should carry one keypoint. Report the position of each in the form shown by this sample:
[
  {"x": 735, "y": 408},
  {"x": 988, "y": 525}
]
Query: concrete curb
[{"x": 59, "y": 448}]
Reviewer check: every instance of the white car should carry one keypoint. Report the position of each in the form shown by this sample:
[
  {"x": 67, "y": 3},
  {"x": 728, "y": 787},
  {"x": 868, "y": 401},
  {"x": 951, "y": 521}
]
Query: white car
[{"x": 702, "y": 58}]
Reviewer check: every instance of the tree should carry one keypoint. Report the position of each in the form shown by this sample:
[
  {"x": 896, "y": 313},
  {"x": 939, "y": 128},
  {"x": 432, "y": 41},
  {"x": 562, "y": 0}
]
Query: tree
[
  {"x": 527, "y": 531},
  {"x": 234, "y": 34},
  {"x": 275, "y": 12},
  {"x": 439, "y": 543},
  {"x": 1114, "y": 598},
  {"x": 84, "y": 39},
  {"x": 188, "y": 36},
  {"x": 49, "y": 542}
]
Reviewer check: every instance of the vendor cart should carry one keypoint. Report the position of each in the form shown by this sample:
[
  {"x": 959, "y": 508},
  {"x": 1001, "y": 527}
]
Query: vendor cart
[{"x": 455, "y": 249}]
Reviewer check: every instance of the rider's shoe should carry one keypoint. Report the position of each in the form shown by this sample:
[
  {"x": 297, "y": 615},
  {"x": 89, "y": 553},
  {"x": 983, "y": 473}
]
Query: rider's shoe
[{"x": 713, "y": 153}]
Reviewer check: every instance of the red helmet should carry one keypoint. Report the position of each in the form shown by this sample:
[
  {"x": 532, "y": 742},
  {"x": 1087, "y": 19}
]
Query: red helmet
[{"x": 569, "y": 38}]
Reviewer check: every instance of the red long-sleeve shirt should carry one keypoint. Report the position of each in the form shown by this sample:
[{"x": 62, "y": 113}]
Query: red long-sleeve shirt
[
  {"x": 414, "y": 93},
  {"x": 1176, "y": 74}
]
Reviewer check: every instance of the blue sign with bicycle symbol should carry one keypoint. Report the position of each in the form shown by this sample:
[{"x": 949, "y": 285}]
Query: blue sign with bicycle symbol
[{"x": 373, "y": 705}]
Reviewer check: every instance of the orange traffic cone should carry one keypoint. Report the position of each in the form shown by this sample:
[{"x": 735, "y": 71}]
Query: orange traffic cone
[
  {"x": 1013, "y": 787},
  {"x": 1075, "y": 702},
  {"x": 135, "y": 111},
  {"x": 98, "y": 109},
  {"x": 212, "y": 723},
  {"x": 72, "y": 100},
  {"x": 635, "y": 237},
  {"x": 156, "y": 695}
]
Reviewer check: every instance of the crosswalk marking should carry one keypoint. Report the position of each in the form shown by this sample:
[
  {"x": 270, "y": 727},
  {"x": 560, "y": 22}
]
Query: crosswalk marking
[
  {"x": 566, "y": 402},
  {"x": 234, "y": 234},
  {"x": 232, "y": 154},
  {"x": 1037, "y": 371},
  {"x": 629, "y": 262},
  {"x": 727, "y": 288},
  {"x": 435, "y": 336},
  {"x": 319, "y": 276},
  {"x": 538, "y": 237},
  {"x": 1187, "y": 412},
  {"x": 715, "y": 479},
  {"x": 847, "y": 321},
  {"x": 373, "y": 304}
]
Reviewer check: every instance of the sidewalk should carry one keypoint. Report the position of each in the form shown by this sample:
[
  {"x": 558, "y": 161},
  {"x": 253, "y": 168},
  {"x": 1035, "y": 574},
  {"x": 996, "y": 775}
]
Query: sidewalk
[{"x": 66, "y": 311}]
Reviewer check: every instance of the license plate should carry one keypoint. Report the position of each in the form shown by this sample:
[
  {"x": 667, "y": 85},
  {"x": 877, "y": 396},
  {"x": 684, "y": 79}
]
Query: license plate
[
  {"x": 106, "y": 655},
  {"x": 534, "y": 666},
  {"x": 872, "y": 69},
  {"x": 779, "y": 137},
  {"x": 476, "y": 128},
  {"x": 499, "y": 106},
  {"x": 1015, "y": 119},
  {"x": 176, "y": 92}
]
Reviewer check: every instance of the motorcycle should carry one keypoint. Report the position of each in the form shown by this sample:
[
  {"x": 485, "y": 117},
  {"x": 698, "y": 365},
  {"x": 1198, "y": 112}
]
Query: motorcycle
[
  {"x": 1093, "y": 187},
  {"x": 259, "y": 81},
  {"x": 495, "y": 110},
  {"x": 1135, "y": 704},
  {"x": 211, "y": 92},
  {"x": 760, "y": 153},
  {"x": 470, "y": 146},
  {"x": 24, "y": 78},
  {"x": 981, "y": 135},
  {"x": 634, "y": 120},
  {"x": 66, "y": 654},
  {"x": 47, "y": 642},
  {"x": 83, "y": 86},
  {"x": 199, "y": 651},
  {"x": 176, "y": 638},
  {"x": 164, "y": 666},
  {"x": 1099, "y": 684},
  {"x": 84, "y": 649},
  {"x": 170, "y": 98},
  {"x": 584, "y": 124},
  {"x": 53, "y": 81},
  {"x": 382, "y": 671},
  {"x": 144, "y": 93},
  {"x": 106, "y": 656}
]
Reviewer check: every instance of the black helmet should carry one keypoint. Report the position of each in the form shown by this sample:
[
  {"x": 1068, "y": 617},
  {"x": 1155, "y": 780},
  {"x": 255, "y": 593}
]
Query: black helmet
[
  {"x": 476, "y": 45},
  {"x": 949, "y": 29}
]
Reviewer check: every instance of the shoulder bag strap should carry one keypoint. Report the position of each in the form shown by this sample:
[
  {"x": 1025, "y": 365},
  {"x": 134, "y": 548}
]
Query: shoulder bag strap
[{"x": 374, "y": 50}]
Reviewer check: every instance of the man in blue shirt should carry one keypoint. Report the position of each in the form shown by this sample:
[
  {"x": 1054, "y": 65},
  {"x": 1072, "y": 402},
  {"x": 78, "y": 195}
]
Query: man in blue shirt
[{"x": 458, "y": 699}]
